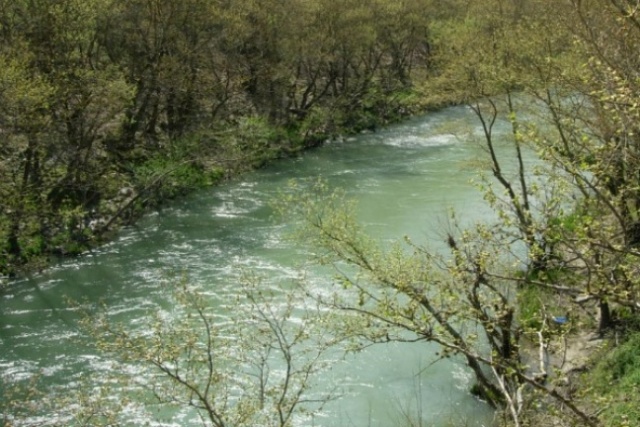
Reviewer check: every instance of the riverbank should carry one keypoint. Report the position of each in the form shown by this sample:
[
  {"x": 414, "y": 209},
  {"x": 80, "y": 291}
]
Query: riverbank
[
  {"x": 596, "y": 370},
  {"x": 598, "y": 373},
  {"x": 146, "y": 180},
  {"x": 100, "y": 122}
]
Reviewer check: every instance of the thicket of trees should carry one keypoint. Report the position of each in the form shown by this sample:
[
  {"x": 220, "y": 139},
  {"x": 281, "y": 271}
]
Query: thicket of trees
[{"x": 108, "y": 105}]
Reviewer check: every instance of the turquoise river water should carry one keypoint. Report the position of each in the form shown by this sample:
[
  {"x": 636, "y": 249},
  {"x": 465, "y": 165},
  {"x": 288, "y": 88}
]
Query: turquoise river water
[{"x": 405, "y": 179}]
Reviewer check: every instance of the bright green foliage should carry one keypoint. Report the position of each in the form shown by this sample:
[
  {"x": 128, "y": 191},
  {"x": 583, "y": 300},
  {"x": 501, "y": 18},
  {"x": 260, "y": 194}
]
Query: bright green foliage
[
  {"x": 572, "y": 66},
  {"x": 577, "y": 212},
  {"x": 22, "y": 100},
  {"x": 464, "y": 300},
  {"x": 616, "y": 380},
  {"x": 95, "y": 92}
]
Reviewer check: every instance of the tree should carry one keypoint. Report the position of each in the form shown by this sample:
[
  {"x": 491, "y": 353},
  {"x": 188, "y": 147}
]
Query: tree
[
  {"x": 575, "y": 68},
  {"x": 23, "y": 100},
  {"x": 462, "y": 301},
  {"x": 257, "y": 368},
  {"x": 62, "y": 101}
]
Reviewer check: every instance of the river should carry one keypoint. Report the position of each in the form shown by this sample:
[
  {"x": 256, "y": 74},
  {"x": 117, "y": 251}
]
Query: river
[{"x": 405, "y": 179}]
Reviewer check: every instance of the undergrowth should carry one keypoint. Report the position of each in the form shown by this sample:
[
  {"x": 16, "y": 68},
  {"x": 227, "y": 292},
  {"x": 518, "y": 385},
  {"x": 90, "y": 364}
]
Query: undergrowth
[{"x": 614, "y": 384}]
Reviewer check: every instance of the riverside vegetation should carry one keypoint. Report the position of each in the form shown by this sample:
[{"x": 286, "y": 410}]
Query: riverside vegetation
[
  {"x": 108, "y": 107},
  {"x": 149, "y": 108}
]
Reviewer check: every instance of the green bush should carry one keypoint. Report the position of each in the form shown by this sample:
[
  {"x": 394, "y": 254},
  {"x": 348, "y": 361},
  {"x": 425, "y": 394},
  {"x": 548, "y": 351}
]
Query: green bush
[
  {"x": 616, "y": 378},
  {"x": 169, "y": 173},
  {"x": 530, "y": 307}
]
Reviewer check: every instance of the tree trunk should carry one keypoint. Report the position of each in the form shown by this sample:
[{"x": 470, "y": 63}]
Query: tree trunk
[{"x": 605, "y": 320}]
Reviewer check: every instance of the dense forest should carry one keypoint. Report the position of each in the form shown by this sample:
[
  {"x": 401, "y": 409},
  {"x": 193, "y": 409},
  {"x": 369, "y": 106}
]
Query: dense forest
[{"x": 109, "y": 107}]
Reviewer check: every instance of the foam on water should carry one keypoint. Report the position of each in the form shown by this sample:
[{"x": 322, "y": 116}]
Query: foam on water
[{"x": 417, "y": 141}]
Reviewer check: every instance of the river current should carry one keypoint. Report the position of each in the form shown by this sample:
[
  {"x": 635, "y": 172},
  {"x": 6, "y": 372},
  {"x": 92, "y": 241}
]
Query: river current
[{"x": 405, "y": 178}]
